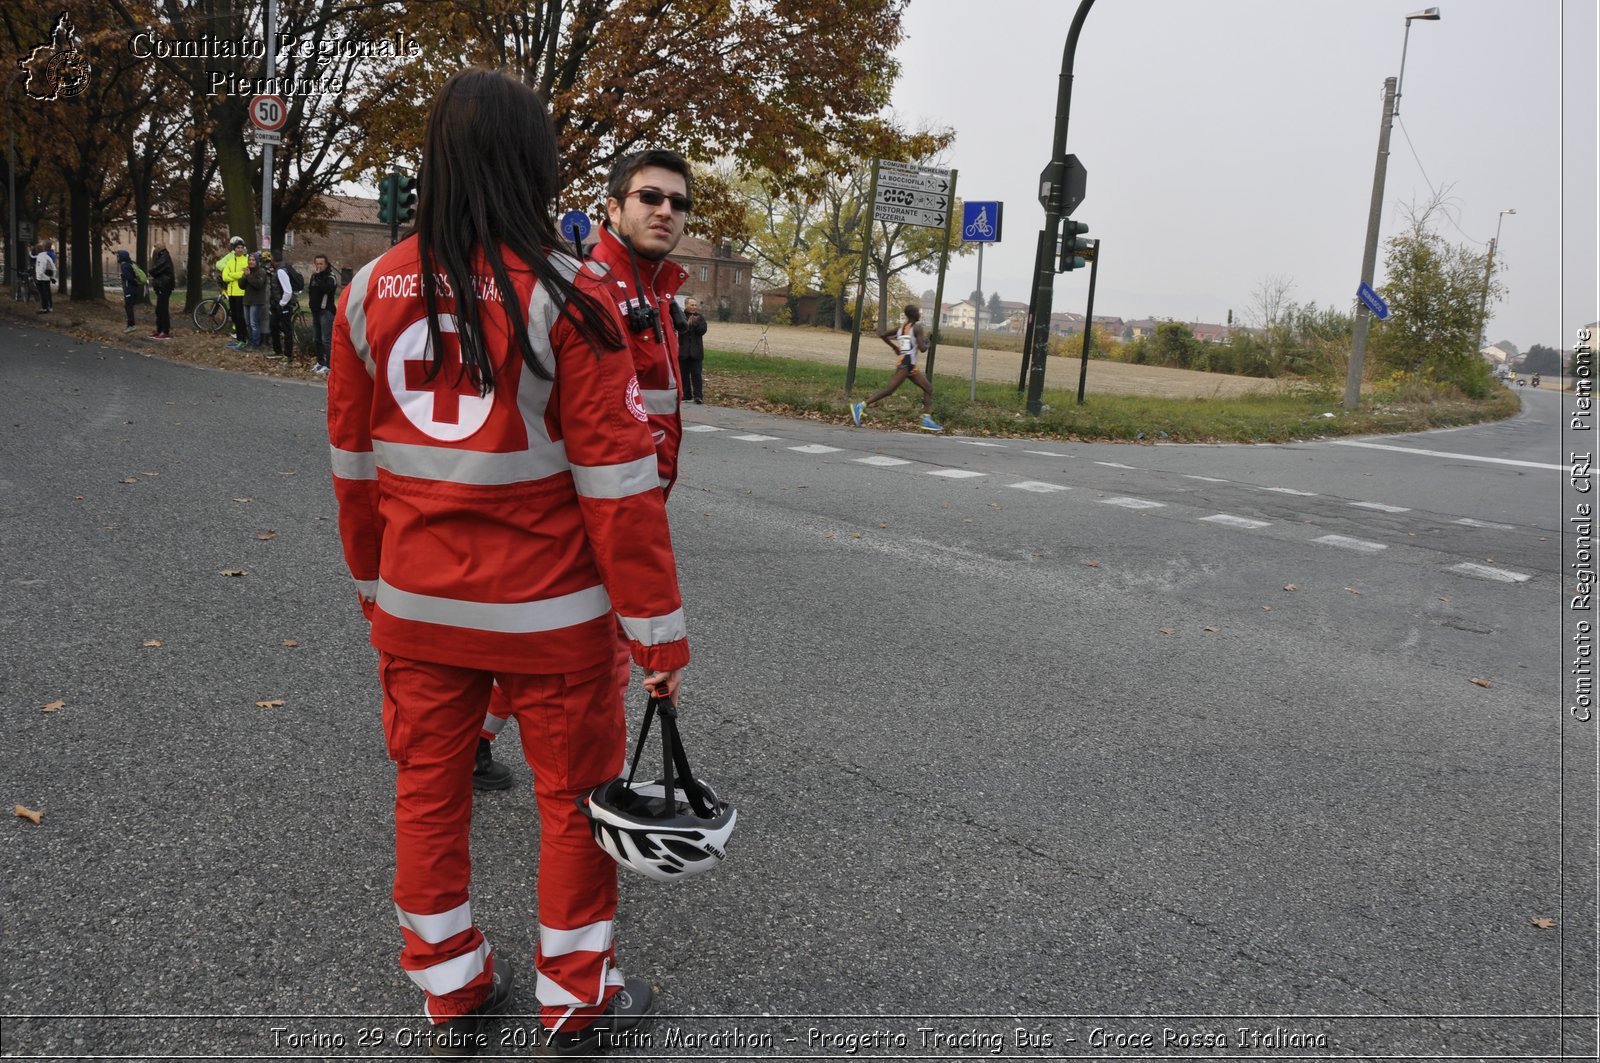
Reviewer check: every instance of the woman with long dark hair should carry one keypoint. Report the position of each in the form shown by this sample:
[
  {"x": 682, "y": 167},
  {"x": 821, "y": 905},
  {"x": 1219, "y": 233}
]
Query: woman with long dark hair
[{"x": 499, "y": 505}]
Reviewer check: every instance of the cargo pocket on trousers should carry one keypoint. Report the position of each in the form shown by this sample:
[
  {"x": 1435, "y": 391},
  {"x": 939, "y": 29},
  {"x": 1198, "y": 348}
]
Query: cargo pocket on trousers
[{"x": 396, "y": 729}]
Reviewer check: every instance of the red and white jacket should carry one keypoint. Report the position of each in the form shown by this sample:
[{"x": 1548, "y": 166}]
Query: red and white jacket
[
  {"x": 655, "y": 361},
  {"x": 500, "y": 531}
]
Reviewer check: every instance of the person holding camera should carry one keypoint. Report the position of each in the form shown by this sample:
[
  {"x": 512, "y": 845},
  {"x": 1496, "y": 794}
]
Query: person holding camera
[{"x": 692, "y": 350}]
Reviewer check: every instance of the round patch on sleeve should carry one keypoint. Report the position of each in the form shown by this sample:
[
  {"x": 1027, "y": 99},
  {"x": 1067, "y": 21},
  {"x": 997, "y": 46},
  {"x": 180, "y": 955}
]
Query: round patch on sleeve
[{"x": 635, "y": 400}]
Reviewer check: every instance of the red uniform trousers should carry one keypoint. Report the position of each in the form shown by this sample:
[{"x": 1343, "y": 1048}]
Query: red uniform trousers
[
  {"x": 494, "y": 720},
  {"x": 574, "y": 738}
]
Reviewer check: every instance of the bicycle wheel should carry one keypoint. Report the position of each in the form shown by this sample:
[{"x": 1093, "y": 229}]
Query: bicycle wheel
[
  {"x": 301, "y": 323},
  {"x": 211, "y": 315}
]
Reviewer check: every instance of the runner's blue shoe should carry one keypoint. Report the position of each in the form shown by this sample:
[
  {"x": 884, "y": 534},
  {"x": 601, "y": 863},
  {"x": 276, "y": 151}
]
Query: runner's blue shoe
[
  {"x": 928, "y": 424},
  {"x": 855, "y": 411}
]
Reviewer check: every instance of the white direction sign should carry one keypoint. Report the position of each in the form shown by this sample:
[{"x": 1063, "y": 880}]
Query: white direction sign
[
  {"x": 262, "y": 136},
  {"x": 933, "y": 219},
  {"x": 903, "y": 197},
  {"x": 912, "y": 178}
]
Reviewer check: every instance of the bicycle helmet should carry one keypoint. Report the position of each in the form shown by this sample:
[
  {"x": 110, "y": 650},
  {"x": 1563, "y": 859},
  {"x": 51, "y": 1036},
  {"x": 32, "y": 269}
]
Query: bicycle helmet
[
  {"x": 665, "y": 829},
  {"x": 237, "y": 241}
]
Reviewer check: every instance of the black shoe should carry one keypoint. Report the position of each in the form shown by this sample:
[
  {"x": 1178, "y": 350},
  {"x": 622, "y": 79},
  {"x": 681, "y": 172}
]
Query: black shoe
[
  {"x": 464, "y": 1036},
  {"x": 626, "y": 1013},
  {"x": 486, "y": 774}
]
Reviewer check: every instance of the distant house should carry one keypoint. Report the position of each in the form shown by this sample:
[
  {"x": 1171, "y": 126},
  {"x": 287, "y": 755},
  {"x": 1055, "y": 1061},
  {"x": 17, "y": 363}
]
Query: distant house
[
  {"x": 1497, "y": 355},
  {"x": 774, "y": 300},
  {"x": 1113, "y": 326},
  {"x": 1210, "y": 333},
  {"x": 1144, "y": 326}
]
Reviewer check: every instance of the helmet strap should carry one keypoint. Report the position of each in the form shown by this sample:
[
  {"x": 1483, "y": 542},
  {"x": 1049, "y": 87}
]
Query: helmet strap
[{"x": 673, "y": 758}]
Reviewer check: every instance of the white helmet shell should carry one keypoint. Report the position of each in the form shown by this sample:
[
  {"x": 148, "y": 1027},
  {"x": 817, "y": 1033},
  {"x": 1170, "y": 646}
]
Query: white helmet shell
[{"x": 637, "y": 826}]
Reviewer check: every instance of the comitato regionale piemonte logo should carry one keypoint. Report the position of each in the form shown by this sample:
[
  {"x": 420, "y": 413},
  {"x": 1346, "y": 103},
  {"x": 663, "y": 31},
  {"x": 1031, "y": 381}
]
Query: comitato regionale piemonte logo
[{"x": 56, "y": 70}]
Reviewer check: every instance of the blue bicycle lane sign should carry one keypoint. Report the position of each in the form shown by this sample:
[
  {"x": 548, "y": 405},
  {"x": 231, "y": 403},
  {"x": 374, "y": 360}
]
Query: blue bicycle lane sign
[{"x": 980, "y": 222}]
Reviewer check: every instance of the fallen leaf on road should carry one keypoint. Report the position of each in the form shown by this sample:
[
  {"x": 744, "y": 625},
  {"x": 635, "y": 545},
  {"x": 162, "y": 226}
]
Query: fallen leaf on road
[
  {"x": 264, "y": 536},
  {"x": 855, "y": 535},
  {"x": 1543, "y": 923},
  {"x": 1091, "y": 564},
  {"x": 244, "y": 500},
  {"x": 1266, "y": 608},
  {"x": 880, "y": 524},
  {"x": 54, "y": 706},
  {"x": 129, "y": 480},
  {"x": 232, "y": 572},
  {"x": 1208, "y": 629},
  {"x": 1444, "y": 599},
  {"x": 830, "y": 535},
  {"x": 32, "y": 815},
  {"x": 77, "y": 498},
  {"x": 289, "y": 643},
  {"x": 151, "y": 644},
  {"x": 270, "y": 703},
  {"x": 1166, "y": 631},
  {"x": 994, "y": 505},
  {"x": 1475, "y": 681},
  {"x": 1352, "y": 590},
  {"x": 1290, "y": 587}
]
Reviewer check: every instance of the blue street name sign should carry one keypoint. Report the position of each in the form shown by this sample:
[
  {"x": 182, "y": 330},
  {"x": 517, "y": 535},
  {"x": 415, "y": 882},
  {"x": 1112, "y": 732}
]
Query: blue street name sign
[
  {"x": 1375, "y": 303},
  {"x": 980, "y": 222},
  {"x": 575, "y": 225}
]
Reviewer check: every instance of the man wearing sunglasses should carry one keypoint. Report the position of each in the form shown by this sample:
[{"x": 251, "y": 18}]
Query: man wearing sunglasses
[{"x": 647, "y": 205}]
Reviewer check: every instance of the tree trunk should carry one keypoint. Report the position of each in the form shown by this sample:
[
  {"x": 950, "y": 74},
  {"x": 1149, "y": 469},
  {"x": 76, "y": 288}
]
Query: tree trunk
[
  {"x": 83, "y": 286},
  {"x": 197, "y": 220},
  {"x": 234, "y": 167}
]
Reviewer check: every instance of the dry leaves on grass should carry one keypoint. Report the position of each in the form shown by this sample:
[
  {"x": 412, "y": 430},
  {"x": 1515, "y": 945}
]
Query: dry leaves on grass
[
  {"x": 32, "y": 815},
  {"x": 54, "y": 706},
  {"x": 1475, "y": 681},
  {"x": 270, "y": 703},
  {"x": 1542, "y": 922}
]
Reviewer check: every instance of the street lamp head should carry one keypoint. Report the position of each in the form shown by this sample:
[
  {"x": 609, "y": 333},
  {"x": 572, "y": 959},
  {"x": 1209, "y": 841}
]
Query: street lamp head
[
  {"x": 1509, "y": 210},
  {"x": 1427, "y": 14}
]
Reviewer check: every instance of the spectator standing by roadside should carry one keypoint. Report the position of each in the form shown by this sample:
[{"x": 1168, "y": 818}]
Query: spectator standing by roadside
[
  {"x": 255, "y": 296},
  {"x": 322, "y": 289},
  {"x": 230, "y": 270},
  {"x": 692, "y": 351},
  {"x": 131, "y": 288},
  {"x": 281, "y": 303},
  {"x": 163, "y": 278},
  {"x": 44, "y": 275}
]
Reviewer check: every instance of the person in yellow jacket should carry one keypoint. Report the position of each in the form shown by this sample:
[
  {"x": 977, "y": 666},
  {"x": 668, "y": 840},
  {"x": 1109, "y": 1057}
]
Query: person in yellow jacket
[{"x": 231, "y": 268}]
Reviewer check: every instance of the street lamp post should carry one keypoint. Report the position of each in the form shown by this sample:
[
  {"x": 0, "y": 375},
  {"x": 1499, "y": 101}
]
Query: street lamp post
[
  {"x": 1488, "y": 272},
  {"x": 1369, "y": 256}
]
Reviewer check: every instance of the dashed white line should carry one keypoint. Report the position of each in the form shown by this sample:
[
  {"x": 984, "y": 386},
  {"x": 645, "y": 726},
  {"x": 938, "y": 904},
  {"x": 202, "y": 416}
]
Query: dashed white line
[
  {"x": 1501, "y": 575},
  {"x": 1380, "y": 507},
  {"x": 1115, "y": 465},
  {"x": 978, "y": 443},
  {"x": 816, "y": 448},
  {"x": 1291, "y": 491},
  {"x": 1047, "y": 453},
  {"x": 755, "y": 438},
  {"x": 1132, "y": 503},
  {"x": 1207, "y": 479},
  {"x": 1344, "y": 542},
  {"x": 701, "y": 428},
  {"x": 956, "y": 474},
  {"x": 1038, "y": 486},
  {"x": 881, "y": 459},
  {"x": 1471, "y": 523},
  {"x": 1236, "y": 522}
]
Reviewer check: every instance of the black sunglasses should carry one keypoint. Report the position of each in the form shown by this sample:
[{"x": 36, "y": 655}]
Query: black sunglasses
[{"x": 652, "y": 197}]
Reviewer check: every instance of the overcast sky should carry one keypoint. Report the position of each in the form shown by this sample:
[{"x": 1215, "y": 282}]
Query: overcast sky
[{"x": 1227, "y": 141}]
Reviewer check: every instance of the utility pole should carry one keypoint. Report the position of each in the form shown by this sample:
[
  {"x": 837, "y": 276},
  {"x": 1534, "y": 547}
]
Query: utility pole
[
  {"x": 266, "y": 149},
  {"x": 1369, "y": 255}
]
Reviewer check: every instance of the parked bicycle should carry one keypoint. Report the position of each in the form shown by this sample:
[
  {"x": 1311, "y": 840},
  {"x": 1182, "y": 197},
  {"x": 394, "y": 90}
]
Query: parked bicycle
[
  {"x": 211, "y": 313},
  {"x": 26, "y": 289}
]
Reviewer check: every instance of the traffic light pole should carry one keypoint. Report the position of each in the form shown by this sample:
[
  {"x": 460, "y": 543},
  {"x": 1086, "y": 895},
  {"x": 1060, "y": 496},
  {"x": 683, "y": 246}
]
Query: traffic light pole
[
  {"x": 1088, "y": 322},
  {"x": 1044, "y": 266}
]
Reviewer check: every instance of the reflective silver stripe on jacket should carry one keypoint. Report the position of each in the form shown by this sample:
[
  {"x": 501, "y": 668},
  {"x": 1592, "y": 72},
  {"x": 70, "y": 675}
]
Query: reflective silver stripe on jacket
[
  {"x": 657, "y": 401},
  {"x": 355, "y": 312},
  {"x": 439, "y": 927},
  {"x": 516, "y": 618},
  {"x": 655, "y": 630},
  {"x": 354, "y": 464},
  {"x": 471, "y": 466},
  {"x": 617, "y": 481}
]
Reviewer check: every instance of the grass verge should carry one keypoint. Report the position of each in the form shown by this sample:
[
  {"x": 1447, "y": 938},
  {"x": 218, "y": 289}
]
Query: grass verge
[{"x": 815, "y": 390}]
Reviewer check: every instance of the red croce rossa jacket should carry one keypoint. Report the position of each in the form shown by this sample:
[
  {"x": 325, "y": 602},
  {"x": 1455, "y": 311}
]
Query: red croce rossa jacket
[{"x": 497, "y": 531}]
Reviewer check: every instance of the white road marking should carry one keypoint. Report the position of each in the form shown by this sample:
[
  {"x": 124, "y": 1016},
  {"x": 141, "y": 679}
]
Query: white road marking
[
  {"x": 956, "y": 474},
  {"x": 1380, "y": 507},
  {"x": 1469, "y": 522},
  {"x": 978, "y": 443},
  {"x": 1038, "y": 486},
  {"x": 1132, "y": 503},
  {"x": 1291, "y": 491},
  {"x": 1467, "y": 568},
  {"x": 755, "y": 438},
  {"x": 1114, "y": 465},
  {"x": 816, "y": 448},
  {"x": 1447, "y": 454},
  {"x": 1344, "y": 542},
  {"x": 1047, "y": 453},
  {"x": 1207, "y": 479},
  {"x": 880, "y": 459},
  {"x": 1236, "y": 522},
  {"x": 701, "y": 428}
]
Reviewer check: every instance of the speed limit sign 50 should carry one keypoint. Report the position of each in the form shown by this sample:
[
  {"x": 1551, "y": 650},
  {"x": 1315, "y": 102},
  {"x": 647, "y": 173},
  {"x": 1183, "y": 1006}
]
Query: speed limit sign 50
[{"x": 268, "y": 112}]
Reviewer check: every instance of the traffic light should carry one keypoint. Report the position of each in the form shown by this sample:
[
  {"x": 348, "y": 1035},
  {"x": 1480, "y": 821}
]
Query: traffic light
[
  {"x": 1076, "y": 249},
  {"x": 389, "y": 199},
  {"x": 405, "y": 198}
]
